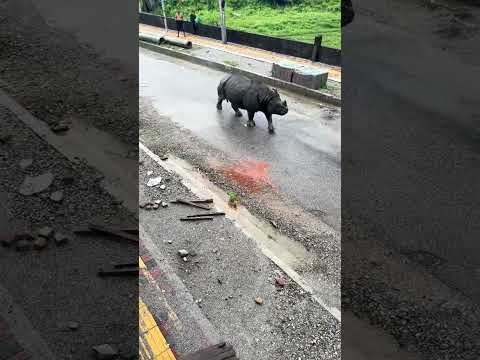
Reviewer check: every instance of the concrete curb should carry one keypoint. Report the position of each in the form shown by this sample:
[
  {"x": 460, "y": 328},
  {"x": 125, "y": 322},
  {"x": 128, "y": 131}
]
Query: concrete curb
[{"x": 317, "y": 95}]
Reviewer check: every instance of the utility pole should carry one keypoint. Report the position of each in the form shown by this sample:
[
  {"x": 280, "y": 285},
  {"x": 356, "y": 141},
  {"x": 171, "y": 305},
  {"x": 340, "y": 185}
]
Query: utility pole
[
  {"x": 221, "y": 4},
  {"x": 164, "y": 16}
]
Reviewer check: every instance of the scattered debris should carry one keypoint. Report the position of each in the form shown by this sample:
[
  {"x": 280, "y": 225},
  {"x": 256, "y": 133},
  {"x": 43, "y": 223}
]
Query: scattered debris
[
  {"x": 186, "y": 202},
  {"x": 57, "y": 196},
  {"x": 274, "y": 224},
  {"x": 105, "y": 352},
  {"x": 40, "y": 243},
  {"x": 163, "y": 187},
  {"x": 185, "y": 259},
  {"x": 183, "y": 252},
  {"x": 259, "y": 300},
  {"x": 164, "y": 157},
  {"x": 164, "y": 204},
  {"x": 45, "y": 232},
  {"x": 24, "y": 163},
  {"x": 169, "y": 241},
  {"x": 60, "y": 238},
  {"x": 207, "y": 214},
  {"x": 150, "y": 172},
  {"x": 111, "y": 231},
  {"x": 154, "y": 181},
  {"x": 279, "y": 281},
  {"x": 198, "y": 218},
  {"x": 32, "y": 185}
]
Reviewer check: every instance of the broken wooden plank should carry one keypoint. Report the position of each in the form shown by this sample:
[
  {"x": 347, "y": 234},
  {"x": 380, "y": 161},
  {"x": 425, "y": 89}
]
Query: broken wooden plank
[
  {"x": 125, "y": 265},
  {"x": 218, "y": 213},
  {"x": 198, "y": 218},
  {"x": 117, "y": 272},
  {"x": 111, "y": 231},
  {"x": 204, "y": 201},
  {"x": 86, "y": 230},
  {"x": 186, "y": 202}
]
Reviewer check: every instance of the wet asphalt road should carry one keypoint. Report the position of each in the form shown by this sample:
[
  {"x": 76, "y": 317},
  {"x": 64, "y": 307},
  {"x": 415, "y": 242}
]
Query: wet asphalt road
[{"x": 303, "y": 154}]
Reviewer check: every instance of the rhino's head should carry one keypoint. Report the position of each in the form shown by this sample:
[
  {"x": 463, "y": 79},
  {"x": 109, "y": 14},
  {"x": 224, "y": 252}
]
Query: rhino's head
[{"x": 276, "y": 105}]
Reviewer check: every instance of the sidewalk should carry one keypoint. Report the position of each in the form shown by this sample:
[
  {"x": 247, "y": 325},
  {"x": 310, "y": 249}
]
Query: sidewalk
[{"x": 259, "y": 59}]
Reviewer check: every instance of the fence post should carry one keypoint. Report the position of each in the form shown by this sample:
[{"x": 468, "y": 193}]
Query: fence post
[{"x": 317, "y": 48}]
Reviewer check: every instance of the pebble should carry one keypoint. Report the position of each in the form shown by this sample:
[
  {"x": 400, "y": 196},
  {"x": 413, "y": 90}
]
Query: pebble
[
  {"x": 164, "y": 204},
  {"x": 57, "y": 196},
  {"x": 185, "y": 259},
  {"x": 149, "y": 173},
  {"x": 154, "y": 181},
  {"x": 259, "y": 300},
  {"x": 169, "y": 241},
  {"x": 279, "y": 281},
  {"x": 163, "y": 187},
  {"x": 183, "y": 252}
]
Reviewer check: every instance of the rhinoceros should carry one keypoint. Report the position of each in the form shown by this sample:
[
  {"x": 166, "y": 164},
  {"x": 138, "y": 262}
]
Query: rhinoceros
[{"x": 253, "y": 96}]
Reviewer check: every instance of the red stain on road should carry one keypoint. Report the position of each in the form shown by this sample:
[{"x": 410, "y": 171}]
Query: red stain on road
[{"x": 249, "y": 174}]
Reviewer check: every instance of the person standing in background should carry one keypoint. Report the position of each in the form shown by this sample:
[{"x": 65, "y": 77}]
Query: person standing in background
[
  {"x": 179, "y": 21},
  {"x": 193, "y": 20}
]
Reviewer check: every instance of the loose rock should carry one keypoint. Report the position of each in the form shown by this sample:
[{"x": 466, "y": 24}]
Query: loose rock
[
  {"x": 183, "y": 252},
  {"x": 259, "y": 300},
  {"x": 105, "y": 351},
  {"x": 163, "y": 187},
  {"x": 279, "y": 281},
  {"x": 154, "y": 181},
  {"x": 57, "y": 196},
  {"x": 36, "y": 184},
  {"x": 164, "y": 204}
]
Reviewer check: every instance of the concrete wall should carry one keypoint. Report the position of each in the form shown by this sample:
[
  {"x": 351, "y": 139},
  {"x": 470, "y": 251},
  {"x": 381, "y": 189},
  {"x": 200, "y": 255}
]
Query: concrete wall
[{"x": 283, "y": 46}]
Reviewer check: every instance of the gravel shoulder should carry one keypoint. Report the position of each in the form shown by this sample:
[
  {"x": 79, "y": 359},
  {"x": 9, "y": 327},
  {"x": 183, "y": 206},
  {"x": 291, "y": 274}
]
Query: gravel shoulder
[
  {"x": 50, "y": 284},
  {"x": 225, "y": 275}
]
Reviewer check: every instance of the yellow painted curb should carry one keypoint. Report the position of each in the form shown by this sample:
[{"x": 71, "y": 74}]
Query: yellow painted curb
[{"x": 152, "y": 343}]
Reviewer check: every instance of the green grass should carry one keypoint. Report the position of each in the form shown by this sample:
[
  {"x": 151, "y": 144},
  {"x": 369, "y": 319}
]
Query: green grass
[{"x": 296, "y": 22}]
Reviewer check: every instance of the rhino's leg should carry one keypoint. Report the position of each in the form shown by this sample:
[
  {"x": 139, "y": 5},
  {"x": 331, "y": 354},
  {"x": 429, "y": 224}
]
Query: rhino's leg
[
  {"x": 238, "y": 113},
  {"x": 219, "y": 103},
  {"x": 250, "y": 122},
  {"x": 271, "y": 129}
]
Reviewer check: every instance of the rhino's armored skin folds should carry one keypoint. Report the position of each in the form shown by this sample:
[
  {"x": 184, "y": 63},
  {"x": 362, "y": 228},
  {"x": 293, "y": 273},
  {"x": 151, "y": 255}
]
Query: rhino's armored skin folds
[{"x": 252, "y": 96}]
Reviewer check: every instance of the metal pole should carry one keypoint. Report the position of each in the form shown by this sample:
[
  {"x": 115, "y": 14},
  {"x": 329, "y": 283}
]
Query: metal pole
[
  {"x": 221, "y": 4},
  {"x": 164, "y": 16}
]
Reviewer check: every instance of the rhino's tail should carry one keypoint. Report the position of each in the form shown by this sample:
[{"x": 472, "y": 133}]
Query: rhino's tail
[{"x": 221, "y": 87}]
